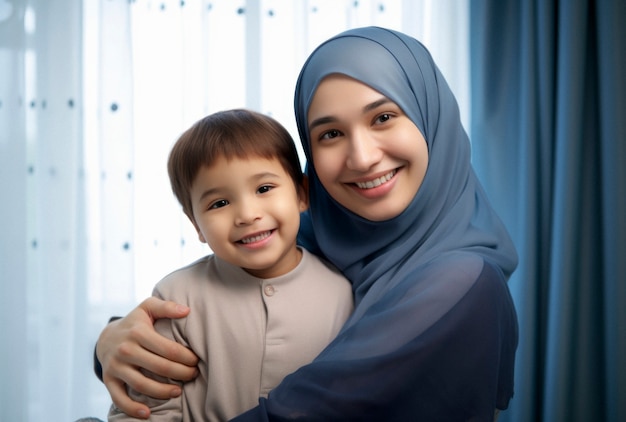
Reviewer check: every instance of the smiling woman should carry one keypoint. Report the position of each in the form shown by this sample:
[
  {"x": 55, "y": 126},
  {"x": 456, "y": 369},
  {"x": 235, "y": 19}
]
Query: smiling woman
[{"x": 385, "y": 154}]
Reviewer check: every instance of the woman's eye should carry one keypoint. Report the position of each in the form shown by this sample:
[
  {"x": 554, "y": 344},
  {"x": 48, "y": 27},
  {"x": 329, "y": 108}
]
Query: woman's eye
[
  {"x": 218, "y": 204},
  {"x": 330, "y": 134},
  {"x": 265, "y": 189},
  {"x": 383, "y": 118}
]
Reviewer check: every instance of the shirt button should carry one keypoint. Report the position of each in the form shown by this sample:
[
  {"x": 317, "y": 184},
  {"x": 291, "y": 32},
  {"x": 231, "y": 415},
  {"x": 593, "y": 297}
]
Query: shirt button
[{"x": 269, "y": 290}]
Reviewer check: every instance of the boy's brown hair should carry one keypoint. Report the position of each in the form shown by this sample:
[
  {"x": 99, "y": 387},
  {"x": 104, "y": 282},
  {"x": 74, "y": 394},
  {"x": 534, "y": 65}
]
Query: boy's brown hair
[{"x": 234, "y": 133}]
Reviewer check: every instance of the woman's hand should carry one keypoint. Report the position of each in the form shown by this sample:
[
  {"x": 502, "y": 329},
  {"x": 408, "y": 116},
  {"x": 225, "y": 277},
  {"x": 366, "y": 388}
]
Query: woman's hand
[{"x": 131, "y": 343}]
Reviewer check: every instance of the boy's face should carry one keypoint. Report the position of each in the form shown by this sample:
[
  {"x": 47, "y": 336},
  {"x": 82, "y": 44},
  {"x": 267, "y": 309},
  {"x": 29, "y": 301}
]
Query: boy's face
[{"x": 248, "y": 211}]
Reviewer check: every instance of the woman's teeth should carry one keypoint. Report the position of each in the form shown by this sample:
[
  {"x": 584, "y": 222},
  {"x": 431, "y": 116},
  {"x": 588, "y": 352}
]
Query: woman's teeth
[
  {"x": 256, "y": 238},
  {"x": 376, "y": 182}
]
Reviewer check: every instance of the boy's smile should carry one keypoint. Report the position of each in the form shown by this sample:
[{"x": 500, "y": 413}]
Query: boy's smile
[
  {"x": 256, "y": 240},
  {"x": 248, "y": 211}
]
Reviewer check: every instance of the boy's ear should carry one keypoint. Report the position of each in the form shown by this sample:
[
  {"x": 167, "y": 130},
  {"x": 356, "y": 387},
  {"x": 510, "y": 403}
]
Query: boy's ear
[{"x": 303, "y": 194}]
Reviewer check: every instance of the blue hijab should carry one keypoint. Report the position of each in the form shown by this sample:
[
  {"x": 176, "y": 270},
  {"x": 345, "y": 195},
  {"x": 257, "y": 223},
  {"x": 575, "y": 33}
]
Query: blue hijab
[{"x": 434, "y": 331}]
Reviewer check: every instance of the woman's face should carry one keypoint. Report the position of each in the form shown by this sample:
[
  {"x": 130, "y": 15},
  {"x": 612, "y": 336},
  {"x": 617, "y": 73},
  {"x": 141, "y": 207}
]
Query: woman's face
[{"x": 368, "y": 154}]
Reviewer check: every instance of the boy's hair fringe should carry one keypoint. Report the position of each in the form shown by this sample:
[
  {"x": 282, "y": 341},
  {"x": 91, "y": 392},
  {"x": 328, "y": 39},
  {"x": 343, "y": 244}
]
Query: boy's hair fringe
[{"x": 237, "y": 133}]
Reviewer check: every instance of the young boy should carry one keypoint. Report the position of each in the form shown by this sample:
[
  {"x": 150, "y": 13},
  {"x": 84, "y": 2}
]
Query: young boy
[{"x": 261, "y": 306}]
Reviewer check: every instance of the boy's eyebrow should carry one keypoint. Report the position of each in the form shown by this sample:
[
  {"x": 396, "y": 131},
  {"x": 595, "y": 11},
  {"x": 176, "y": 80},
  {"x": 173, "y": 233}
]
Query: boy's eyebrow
[
  {"x": 207, "y": 193},
  {"x": 330, "y": 119},
  {"x": 264, "y": 174}
]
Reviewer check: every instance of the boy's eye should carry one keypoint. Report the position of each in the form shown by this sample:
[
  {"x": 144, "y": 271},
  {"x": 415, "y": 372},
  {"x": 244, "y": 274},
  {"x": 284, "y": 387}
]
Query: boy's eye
[
  {"x": 218, "y": 204},
  {"x": 265, "y": 189}
]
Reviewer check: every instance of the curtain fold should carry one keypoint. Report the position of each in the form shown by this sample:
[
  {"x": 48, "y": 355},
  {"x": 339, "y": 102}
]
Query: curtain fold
[
  {"x": 548, "y": 99},
  {"x": 42, "y": 189},
  {"x": 13, "y": 240}
]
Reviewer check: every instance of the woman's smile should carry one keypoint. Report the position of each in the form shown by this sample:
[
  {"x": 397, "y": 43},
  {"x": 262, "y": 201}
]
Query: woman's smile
[
  {"x": 375, "y": 188},
  {"x": 377, "y": 181}
]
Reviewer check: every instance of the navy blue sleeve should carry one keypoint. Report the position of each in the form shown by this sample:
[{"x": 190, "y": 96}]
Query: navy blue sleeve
[{"x": 97, "y": 366}]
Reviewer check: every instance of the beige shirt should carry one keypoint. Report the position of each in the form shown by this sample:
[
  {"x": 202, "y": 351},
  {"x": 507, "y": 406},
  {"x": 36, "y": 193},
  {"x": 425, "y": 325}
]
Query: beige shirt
[{"x": 248, "y": 333}]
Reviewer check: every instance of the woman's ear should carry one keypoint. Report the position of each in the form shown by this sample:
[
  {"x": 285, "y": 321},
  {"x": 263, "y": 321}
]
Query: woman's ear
[{"x": 303, "y": 194}]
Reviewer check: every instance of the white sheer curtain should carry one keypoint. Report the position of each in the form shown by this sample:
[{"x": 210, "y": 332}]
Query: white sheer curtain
[{"x": 92, "y": 96}]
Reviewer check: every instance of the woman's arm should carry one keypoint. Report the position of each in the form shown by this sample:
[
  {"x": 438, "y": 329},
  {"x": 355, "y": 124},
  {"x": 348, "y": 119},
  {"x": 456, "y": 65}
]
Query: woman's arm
[
  {"x": 131, "y": 343},
  {"x": 394, "y": 364}
]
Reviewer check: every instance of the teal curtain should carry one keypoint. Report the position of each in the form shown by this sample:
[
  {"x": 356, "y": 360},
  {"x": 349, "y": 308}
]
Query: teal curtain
[{"x": 548, "y": 113}]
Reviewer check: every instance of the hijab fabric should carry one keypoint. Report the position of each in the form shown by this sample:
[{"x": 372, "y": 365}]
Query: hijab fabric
[{"x": 434, "y": 330}]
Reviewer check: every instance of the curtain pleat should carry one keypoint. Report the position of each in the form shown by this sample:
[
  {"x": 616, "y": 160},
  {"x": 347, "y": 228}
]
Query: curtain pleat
[
  {"x": 13, "y": 211},
  {"x": 611, "y": 45},
  {"x": 549, "y": 141},
  {"x": 43, "y": 256}
]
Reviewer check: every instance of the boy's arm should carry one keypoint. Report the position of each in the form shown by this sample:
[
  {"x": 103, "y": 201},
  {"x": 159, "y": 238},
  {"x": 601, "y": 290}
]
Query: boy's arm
[
  {"x": 168, "y": 409},
  {"x": 131, "y": 343},
  {"x": 160, "y": 410}
]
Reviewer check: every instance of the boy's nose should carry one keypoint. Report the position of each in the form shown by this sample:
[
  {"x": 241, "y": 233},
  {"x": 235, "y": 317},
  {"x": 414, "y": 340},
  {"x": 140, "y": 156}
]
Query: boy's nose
[{"x": 247, "y": 213}]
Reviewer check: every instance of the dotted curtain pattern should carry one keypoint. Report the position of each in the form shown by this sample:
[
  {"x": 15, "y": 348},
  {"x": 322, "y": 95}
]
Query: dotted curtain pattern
[
  {"x": 43, "y": 259},
  {"x": 92, "y": 96}
]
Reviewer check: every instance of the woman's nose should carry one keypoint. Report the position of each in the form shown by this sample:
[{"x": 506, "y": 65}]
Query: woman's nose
[{"x": 364, "y": 152}]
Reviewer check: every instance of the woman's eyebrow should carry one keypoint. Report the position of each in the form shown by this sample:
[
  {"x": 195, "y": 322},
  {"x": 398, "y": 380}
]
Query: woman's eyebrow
[
  {"x": 321, "y": 121},
  {"x": 374, "y": 105},
  {"x": 330, "y": 119}
]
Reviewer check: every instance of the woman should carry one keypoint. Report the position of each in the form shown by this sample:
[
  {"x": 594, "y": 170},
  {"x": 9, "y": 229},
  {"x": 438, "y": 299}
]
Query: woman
[{"x": 396, "y": 206}]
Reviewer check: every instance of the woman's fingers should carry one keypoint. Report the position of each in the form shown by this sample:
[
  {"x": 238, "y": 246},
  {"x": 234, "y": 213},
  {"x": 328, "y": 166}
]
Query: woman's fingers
[
  {"x": 120, "y": 398},
  {"x": 128, "y": 345},
  {"x": 157, "y": 308},
  {"x": 142, "y": 332},
  {"x": 138, "y": 381},
  {"x": 159, "y": 355}
]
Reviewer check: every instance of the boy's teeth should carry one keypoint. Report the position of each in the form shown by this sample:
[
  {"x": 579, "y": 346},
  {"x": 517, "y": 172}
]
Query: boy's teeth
[
  {"x": 256, "y": 238},
  {"x": 376, "y": 182}
]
